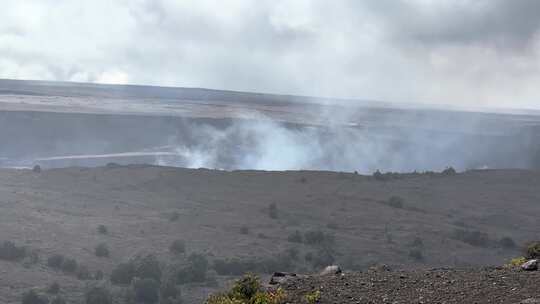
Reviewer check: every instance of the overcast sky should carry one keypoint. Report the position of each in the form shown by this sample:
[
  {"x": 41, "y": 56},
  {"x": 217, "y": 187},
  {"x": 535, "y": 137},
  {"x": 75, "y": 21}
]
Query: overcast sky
[{"x": 469, "y": 53}]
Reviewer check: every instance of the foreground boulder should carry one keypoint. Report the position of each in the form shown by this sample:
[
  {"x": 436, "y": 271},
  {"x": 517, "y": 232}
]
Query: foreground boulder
[
  {"x": 530, "y": 265},
  {"x": 333, "y": 269}
]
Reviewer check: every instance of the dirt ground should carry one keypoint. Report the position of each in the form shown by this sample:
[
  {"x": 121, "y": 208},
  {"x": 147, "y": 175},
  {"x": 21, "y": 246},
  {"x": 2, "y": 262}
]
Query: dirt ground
[
  {"x": 486, "y": 285},
  {"x": 439, "y": 220}
]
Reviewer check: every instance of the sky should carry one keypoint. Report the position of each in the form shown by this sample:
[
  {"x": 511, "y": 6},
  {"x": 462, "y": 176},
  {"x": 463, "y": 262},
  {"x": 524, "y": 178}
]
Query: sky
[{"x": 481, "y": 53}]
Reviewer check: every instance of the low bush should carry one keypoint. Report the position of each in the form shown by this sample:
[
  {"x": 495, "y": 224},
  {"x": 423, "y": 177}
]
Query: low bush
[
  {"x": 123, "y": 273},
  {"x": 416, "y": 254},
  {"x": 295, "y": 237},
  {"x": 58, "y": 300},
  {"x": 174, "y": 216},
  {"x": 55, "y": 261},
  {"x": 395, "y": 202},
  {"x": 146, "y": 290},
  {"x": 249, "y": 290},
  {"x": 83, "y": 273},
  {"x": 142, "y": 267},
  {"x": 516, "y": 262},
  {"x": 33, "y": 297},
  {"x": 54, "y": 288},
  {"x": 532, "y": 250},
  {"x": 102, "y": 229},
  {"x": 273, "y": 211},
  {"x": 98, "y": 295},
  {"x": 102, "y": 250},
  {"x": 195, "y": 271},
  {"x": 317, "y": 237},
  {"x": 10, "y": 252},
  {"x": 169, "y": 293},
  {"x": 473, "y": 238},
  {"x": 178, "y": 247},
  {"x": 69, "y": 265}
]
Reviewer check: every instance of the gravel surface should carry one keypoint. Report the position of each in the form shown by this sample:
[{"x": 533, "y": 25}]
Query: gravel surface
[{"x": 485, "y": 285}]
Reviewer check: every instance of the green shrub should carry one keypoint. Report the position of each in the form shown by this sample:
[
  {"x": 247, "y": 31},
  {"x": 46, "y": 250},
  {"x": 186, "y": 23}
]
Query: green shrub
[
  {"x": 417, "y": 242},
  {"x": 102, "y": 229},
  {"x": 33, "y": 297},
  {"x": 395, "y": 202},
  {"x": 174, "y": 216},
  {"x": 10, "y": 252},
  {"x": 98, "y": 275},
  {"x": 102, "y": 250},
  {"x": 195, "y": 271},
  {"x": 295, "y": 237},
  {"x": 169, "y": 292},
  {"x": 145, "y": 267},
  {"x": 532, "y": 250},
  {"x": 416, "y": 254},
  {"x": 146, "y": 290},
  {"x": 249, "y": 290},
  {"x": 123, "y": 273},
  {"x": 54, "y": 288},
  {"x": 58, "y": 300},
  {"x": 55, "y": 261},
  {"x": 273, "y": 211},
  {"x": 473, "y": 238},
  {"x": 246, "y": 287},
  {"x": 69, "y": 265},
  {"x": 148, "y": 267},
  {"x": 178, "y": 247},
  {"x": 83, "y": 273},
  {"x": 98, "y": 295},
  {"x": 317, "y": 237}
]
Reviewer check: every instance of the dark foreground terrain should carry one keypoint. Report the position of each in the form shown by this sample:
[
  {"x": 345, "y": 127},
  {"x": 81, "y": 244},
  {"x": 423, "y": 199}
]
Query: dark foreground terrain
[
  {"x": 255, "y": 221},
  {"x": 482, "y": 285}
]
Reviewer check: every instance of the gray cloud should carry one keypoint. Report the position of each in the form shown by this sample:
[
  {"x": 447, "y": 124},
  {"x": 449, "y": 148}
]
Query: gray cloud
[{"x": 469, "y": 53}]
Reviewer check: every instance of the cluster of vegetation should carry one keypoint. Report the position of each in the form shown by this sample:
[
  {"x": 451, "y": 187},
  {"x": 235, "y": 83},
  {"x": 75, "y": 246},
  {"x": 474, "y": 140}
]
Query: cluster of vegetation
[
  {"x": 147, "y": 284},
  {"x": 11, "y": 252},
  {"x": 395, "y": 202},
  {"x": 102, "y": 250},
  {"x": 178, "y": 247},
  {"x": 248, "y": 290},
  {"x": 379, "y": 176},
  {"x": 530, "y": 251},
  {"x": 273, "y": 211},
  {"x": 102, "y": 229},
  {"x": 312, "y": 237},
  {"x": 51, "y": 296},
  {"x": 313, "y": 297},
  {"x": 69, "y": 265},
  {"x": 472, "y": 237},
  {"x": 482, "y": 239},
  {"x": 195, "y": 271}
]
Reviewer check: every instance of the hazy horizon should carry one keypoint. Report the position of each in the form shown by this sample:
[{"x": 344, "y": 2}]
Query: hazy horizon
[{"x": 455, "y": 53}]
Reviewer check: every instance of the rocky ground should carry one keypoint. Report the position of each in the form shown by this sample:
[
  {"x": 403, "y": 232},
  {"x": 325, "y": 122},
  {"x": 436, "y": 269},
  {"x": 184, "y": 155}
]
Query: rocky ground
[{"x": 443, "y": 285}]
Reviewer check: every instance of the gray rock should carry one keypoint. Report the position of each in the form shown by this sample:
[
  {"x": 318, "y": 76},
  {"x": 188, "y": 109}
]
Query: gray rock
[
  {"x": 281, "y": 277},
  {"x": 530, "y": 301},
  {"x": 333, "y": 269},
  {"x": 530, "y": 265}
]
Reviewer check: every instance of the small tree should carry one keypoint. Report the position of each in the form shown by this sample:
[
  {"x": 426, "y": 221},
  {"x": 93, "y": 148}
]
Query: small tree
[
  {"x": 273, "y": 211},
  {"x": 102, "y": 250},
  {"x": 98, "y": 295},
  {"x": 178, "y": 247},
  {"x": 32, "y": 297},
  {"x": 146, "y": 290}
]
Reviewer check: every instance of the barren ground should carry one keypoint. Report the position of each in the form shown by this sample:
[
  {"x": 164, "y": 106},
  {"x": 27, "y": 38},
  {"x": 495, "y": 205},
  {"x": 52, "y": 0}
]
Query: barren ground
[{"x": 58, "y": 211}]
